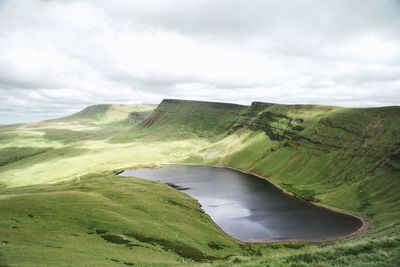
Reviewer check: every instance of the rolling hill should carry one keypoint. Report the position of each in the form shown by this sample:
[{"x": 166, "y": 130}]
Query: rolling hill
[{"x": 60, "y": 196}]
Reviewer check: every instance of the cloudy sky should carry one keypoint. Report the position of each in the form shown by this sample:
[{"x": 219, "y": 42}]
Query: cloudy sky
[{"x": 58, "y": 56}]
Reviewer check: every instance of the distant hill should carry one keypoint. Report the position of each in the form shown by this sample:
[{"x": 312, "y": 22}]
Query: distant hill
[
  {"x": 109, "y": 113},
  {"x": 58, "y": 183}
]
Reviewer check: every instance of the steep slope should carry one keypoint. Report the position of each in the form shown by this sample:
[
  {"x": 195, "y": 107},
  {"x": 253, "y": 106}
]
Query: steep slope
[
  {"x": 345, "y": 158},
  {"x": 204, "y": 119},
  {"x": 186, "y": 120}
]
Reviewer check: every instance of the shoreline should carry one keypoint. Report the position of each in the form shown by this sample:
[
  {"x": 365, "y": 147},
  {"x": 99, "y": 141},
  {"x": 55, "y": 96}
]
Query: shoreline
[{"x": 364, "y": 221}]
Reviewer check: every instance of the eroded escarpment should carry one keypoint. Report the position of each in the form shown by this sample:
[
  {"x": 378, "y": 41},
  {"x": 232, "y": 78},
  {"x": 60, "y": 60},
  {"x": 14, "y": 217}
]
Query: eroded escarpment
[{"x": 347, "y": 158}]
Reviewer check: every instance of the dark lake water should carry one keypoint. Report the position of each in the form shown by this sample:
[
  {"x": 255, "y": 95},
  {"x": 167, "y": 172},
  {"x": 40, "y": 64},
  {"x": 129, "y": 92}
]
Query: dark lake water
[{"x": 250, "y": 208}]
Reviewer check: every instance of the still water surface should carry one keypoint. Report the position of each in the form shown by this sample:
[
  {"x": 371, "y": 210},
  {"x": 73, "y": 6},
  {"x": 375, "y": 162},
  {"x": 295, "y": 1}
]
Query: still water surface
[{"x": 250, "y": 208}]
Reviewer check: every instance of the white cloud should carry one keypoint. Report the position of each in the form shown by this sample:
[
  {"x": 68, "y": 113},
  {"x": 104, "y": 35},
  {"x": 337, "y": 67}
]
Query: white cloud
[{"x": 57, "y": 56}]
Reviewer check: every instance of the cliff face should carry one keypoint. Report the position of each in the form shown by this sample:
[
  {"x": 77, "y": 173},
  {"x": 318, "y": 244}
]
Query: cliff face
[
  {"x": 343, "y": 157},
  {"x": 205, "y": 119},
  {"x": 367, "y": 132}
]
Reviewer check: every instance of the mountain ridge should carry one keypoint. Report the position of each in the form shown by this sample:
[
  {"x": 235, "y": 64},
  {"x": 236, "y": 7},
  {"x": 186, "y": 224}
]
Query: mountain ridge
[{"x": 57, "y": 179}]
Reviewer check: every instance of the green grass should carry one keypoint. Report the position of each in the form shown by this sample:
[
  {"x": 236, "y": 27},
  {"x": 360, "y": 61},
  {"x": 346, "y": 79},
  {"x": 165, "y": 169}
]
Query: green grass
[
  {"x": 61, "y": 204},
  {"x": 105, "y": 220},
  {"x": 385, "y": 252},
  {"x": 14, "y": 154},
  {"x": 106, "y": 113},
  {"x": 172, "y": 118}
]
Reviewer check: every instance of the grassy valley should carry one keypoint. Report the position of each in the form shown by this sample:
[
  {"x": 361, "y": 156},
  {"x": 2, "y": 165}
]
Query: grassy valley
[{"x": 62, "y": 203}]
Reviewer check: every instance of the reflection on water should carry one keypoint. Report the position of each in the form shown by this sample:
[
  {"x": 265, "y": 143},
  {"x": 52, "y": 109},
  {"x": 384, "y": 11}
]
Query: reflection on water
[{"x": 250, "y": 208}]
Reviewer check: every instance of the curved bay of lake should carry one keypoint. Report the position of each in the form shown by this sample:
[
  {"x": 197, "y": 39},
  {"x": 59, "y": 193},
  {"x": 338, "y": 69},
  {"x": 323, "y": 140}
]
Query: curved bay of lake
[{"x": 250, "y": 208}]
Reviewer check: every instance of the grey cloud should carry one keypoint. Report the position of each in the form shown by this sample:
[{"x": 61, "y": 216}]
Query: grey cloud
[
  {"x": 262, "y": 16},
  {"x": 57, "y": 56}
]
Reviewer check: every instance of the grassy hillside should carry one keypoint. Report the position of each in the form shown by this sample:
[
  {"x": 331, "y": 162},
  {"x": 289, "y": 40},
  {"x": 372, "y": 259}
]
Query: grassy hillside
[
  {"x": 185, "y": 120},
  {"x": 111, "y": 113},
  {"x": 61, "y": 173},
  {"x": 106, "y": 220},
  {"x": 205, "y": 119},
  {"x": 346, "y": 158},
  {"x": 341, "y": 157}
]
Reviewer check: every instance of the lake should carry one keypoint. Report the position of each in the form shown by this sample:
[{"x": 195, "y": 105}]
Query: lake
[{"x": 250, "y": 208}]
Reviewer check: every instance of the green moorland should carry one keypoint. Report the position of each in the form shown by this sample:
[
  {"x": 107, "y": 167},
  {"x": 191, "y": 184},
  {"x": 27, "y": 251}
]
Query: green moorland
[{"x": 62, "y": 204}]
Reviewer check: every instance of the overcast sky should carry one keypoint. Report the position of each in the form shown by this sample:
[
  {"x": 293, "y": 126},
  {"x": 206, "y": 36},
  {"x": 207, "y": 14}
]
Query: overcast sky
[{"x": 58, "y": 56}]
